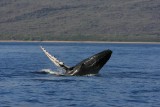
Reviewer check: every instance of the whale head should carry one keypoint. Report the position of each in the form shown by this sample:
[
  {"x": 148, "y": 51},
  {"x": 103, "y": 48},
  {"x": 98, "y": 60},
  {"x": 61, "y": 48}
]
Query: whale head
[{"x": 91, "y": 65}]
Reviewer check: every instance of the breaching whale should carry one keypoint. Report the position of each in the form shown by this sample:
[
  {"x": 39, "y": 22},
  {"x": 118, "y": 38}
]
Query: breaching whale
[{"x": 91, "y": 65}]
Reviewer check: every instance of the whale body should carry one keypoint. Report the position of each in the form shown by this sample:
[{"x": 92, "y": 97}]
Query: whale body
[{"x": 91, "y": 65}]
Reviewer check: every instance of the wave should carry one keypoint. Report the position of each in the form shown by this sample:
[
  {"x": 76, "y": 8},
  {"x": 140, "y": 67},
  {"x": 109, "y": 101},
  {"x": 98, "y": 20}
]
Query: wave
[
  {"x": 60, "y": 73},
  {"x": 49, "y": 71}
]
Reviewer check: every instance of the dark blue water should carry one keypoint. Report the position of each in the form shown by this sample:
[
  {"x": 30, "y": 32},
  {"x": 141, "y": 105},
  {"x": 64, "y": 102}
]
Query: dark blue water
[{"x": 131, "y": 78}]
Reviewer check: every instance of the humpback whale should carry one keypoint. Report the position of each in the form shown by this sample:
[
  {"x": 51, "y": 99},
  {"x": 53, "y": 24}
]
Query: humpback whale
[{"x": 91, "y": 65}]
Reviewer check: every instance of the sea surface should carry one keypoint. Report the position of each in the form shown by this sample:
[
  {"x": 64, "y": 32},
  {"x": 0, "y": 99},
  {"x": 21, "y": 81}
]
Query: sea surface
[{"x": 131, "y": 78}]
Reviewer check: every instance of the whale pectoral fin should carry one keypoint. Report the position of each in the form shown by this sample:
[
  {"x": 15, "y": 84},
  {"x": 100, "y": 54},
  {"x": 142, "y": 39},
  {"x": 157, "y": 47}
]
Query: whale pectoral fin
[
  {"x": 64, "y": 66},
  {"x": 55, "y": 60}
]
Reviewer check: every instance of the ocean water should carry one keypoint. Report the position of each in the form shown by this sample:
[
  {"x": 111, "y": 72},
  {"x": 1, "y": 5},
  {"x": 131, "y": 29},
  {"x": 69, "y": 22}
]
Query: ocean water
[{"x": 131, "y": 78}]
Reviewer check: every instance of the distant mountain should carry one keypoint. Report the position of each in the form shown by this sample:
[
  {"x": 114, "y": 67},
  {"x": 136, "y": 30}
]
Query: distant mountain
[{"x": 112, "y": 20}]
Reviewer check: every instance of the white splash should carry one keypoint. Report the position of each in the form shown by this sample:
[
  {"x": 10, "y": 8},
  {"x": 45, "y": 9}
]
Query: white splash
[
  {"x": 49, "y": 71},
  {"x": 91, "y": 75}
]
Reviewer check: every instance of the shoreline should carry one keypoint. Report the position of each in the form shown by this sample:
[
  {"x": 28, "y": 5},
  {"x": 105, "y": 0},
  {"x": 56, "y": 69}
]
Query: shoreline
[{"x": 114, "y": 42}]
